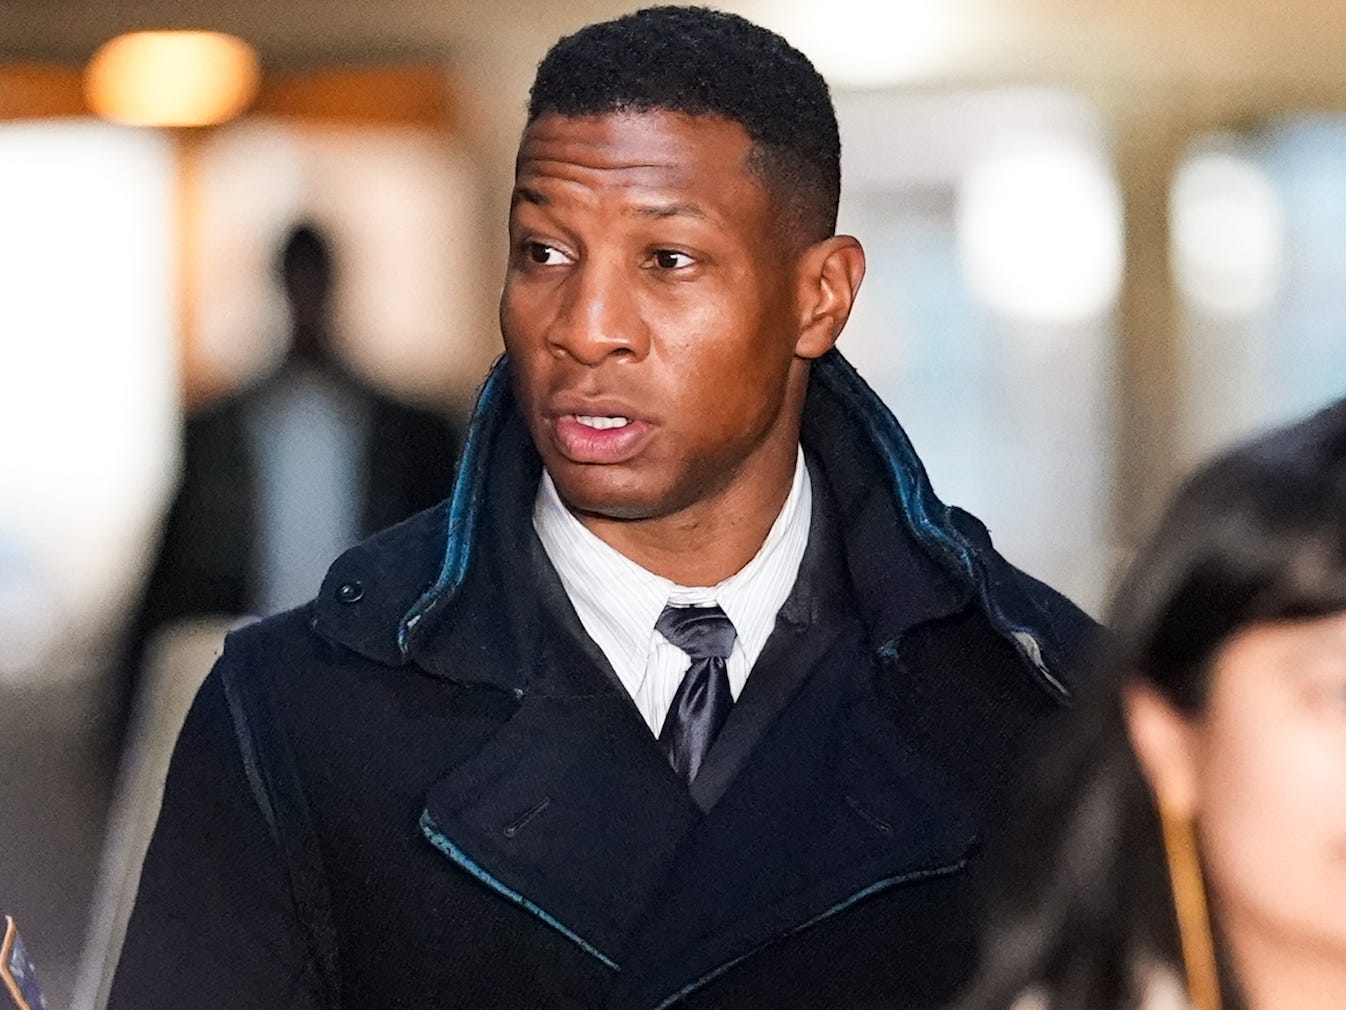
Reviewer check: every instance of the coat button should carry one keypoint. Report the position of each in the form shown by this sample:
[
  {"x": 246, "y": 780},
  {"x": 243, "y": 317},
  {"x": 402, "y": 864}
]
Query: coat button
[{"x": 350, "y": 592}]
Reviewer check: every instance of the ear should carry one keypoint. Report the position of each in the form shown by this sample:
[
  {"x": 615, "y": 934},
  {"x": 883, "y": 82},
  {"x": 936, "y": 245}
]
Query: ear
[
  {"x": 829, "y": 277},
  {"x": 1166, "y": 743}
]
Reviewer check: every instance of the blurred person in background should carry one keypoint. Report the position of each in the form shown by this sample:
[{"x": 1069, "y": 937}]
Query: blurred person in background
[
  {"x": 692, "y": 693},
  {"x": 283, "y": 476},
  {"x": 1188, "y": 849}
]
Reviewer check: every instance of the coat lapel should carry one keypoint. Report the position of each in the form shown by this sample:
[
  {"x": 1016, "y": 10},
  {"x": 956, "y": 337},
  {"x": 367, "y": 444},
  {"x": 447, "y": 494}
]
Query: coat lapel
[
  {"x": 837, "y": 803},
  {"x": 802, "y": 634},
  {"x": 567, "y": 812},
  {"x": 569, "y": 809},
  {"x": 830, "y": 793}
]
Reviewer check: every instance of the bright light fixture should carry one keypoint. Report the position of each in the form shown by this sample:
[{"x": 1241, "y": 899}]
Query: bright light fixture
[
  {"x": 1040, "y": 231},
  {"x": 172, "y": 78},
  {"x": 877, "y": 43},
  {"x": 1228, "y": 234}
]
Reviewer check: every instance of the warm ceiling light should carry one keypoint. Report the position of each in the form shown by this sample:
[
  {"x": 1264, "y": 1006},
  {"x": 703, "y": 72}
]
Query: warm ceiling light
[{"x": 172, "y": 78}]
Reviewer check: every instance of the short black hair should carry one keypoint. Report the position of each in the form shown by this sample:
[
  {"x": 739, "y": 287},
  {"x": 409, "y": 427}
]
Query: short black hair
[{"x": 704, "y": 62}]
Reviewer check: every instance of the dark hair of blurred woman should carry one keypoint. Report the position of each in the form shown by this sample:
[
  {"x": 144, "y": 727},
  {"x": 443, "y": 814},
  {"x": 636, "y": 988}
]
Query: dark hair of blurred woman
[{"x": 1188, "y": 847}]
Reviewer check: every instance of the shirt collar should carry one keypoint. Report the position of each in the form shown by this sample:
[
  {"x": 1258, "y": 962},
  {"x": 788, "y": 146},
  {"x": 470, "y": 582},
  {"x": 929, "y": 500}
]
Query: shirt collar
[
  {"x": 618, "y": 601},
  {"x": 752, "y": 596}
]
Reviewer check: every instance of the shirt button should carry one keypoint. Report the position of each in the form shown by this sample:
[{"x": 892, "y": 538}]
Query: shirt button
[{"x": 350, "y": 592}]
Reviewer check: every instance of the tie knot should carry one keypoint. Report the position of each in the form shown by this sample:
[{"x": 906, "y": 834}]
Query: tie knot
[{"x": 701, "y": 632}]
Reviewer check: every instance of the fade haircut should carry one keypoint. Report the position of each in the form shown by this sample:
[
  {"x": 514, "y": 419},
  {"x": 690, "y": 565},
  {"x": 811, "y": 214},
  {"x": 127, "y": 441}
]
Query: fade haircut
[{"x": 704, "y": 62}]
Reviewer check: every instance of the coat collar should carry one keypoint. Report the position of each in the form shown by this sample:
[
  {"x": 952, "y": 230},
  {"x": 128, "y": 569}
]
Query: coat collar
[
  {"x": 574, "y": 770},
  {"x": 411, "y": 591}
]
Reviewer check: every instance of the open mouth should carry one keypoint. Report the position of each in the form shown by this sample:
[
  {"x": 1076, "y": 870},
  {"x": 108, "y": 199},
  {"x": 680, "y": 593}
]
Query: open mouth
[
  {"x": 602, "y": 423},
  {"x": 599, "y": 438}
]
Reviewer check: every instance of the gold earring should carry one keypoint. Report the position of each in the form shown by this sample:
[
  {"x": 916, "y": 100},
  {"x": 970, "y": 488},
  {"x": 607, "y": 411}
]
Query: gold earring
[{"x": 1189, "y": 901}]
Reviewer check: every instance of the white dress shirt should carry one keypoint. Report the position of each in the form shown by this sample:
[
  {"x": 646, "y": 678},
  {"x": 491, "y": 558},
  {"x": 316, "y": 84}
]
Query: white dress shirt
[{"x": 618, "y": 601}]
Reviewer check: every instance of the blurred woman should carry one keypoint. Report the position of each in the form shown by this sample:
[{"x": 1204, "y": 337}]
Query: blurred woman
[{"x": 1189, "y": 850}]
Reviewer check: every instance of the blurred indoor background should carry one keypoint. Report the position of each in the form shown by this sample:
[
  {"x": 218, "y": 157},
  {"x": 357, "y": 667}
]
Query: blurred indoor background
[{"x": 1105, "y": 237}]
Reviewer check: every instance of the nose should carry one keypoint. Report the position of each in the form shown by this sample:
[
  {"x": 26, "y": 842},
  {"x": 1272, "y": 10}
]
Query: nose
[{"x": 598, "y": 316}]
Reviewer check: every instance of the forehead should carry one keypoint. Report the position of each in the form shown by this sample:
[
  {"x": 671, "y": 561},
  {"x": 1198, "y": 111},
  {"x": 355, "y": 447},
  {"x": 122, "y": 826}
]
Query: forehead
[
  {"x": 701, "y": 159},
  {"x": 1276, "y": 646},
  {"x": 1264, "y": 665}
]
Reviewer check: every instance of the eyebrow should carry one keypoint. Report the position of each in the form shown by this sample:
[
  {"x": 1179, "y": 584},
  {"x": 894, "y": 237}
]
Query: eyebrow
[
  {"x": 522, "y": 194},
  {"x": 662, "y": 211}
]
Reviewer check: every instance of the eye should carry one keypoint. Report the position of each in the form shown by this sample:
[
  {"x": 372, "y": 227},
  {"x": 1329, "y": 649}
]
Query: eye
[
  {"x": 671, "y": 259},
  {"x": 544, "y": 254}
]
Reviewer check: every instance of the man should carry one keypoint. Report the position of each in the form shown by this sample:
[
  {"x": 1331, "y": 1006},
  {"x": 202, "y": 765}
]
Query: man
[
  {"x": 659, "y": 709},
  {"x": 280, "y": 477},
  {"x": 311, "y": 458}
]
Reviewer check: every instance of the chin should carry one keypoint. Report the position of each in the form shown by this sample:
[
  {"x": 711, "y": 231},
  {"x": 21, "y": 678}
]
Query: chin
[{"x": 596, "y": 495}]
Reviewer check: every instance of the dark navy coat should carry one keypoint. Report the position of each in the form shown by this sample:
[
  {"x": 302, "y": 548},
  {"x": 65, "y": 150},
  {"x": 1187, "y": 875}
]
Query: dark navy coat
[{"x": 428, "y": 789}]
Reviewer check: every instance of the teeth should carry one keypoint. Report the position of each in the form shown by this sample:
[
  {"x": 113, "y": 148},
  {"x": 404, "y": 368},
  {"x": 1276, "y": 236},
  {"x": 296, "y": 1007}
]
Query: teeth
[{"x": 602, "y": 423}]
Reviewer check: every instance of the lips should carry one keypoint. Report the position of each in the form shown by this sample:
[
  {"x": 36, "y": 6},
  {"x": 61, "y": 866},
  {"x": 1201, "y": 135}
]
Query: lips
[
  {"x": 601, "y": 439},
  {"x": 597, "y": 432}
]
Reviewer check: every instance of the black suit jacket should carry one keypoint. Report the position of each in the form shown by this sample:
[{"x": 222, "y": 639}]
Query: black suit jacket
[{"x": 493, "y": 824}]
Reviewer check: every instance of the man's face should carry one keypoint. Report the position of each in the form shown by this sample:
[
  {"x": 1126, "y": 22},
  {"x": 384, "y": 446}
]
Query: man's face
[{"x": 649, "y": 313}]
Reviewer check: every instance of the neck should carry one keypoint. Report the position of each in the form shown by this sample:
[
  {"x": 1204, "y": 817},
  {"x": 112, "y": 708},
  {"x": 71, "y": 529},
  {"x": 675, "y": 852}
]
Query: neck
[
  {"x": 309, "y": 341},
  {"x": 709, "y": 541},
  {"x": 1277, "y": 972}
]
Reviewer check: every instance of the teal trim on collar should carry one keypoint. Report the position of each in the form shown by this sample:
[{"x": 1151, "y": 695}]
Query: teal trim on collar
[{"x": 463, "y": 511}]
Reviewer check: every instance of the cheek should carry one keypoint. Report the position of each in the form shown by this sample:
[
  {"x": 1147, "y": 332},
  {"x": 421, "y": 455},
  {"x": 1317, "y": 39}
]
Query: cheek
[
  {"x": 733, "y": 398},
  {"x": 1273, "y": 822},
  {"x": 732, "y": 361},
  {"x": 527, "y": 308},
  {"x": 513, "y": 320}
]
